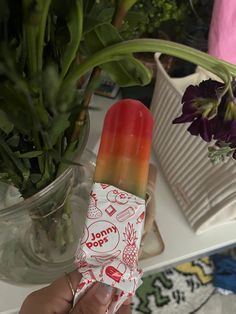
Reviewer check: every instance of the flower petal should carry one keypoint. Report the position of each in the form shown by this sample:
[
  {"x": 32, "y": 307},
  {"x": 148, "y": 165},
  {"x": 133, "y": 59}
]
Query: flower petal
[
  {"x": 184, "y": 118},
  {"x": 210, "y": 88},
  {"x": 202, "y": 127},
  {"x": 191, "y": 93}
]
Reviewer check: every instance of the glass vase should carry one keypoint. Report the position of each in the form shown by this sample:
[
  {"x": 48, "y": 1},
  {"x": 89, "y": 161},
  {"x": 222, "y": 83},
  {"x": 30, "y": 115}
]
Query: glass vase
[{"x": 39, "y": 235}]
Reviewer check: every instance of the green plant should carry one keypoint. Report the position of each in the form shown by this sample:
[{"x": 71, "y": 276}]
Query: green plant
[
  {"x": 41, "y": 41},
  {"x": 146, "y": 18},
  {"x": 46, "y": 47}
]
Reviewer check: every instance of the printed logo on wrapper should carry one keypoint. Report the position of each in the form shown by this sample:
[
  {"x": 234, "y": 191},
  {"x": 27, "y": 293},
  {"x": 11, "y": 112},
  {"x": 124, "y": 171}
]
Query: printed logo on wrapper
[{"x": 103, "y": 236}]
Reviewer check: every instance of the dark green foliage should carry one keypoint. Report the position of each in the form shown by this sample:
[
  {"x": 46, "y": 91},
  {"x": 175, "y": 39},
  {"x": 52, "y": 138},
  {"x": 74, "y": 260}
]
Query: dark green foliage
[{"x": 41, "y": 42}]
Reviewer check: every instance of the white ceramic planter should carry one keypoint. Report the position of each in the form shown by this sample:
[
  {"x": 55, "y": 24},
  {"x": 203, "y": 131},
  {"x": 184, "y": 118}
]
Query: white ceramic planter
[{"x": 206, "y": 193}]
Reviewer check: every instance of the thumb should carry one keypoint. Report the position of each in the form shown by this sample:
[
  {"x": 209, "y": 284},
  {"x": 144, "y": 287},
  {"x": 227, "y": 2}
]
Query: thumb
[{"x": 95, "y": 301}]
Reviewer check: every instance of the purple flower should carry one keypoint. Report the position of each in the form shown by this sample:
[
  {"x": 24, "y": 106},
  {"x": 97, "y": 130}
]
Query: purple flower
[
  {"x": 200, "y": 105},
  {"x": 202, "y": 127},
  {"x": 224, "y": 131}
]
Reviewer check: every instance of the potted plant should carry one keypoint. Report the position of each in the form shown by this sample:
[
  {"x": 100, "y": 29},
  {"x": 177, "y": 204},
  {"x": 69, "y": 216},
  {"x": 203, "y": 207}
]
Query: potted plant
[
  {"x": 44, "y": 126},
  {"x": 46, "y": 49}
]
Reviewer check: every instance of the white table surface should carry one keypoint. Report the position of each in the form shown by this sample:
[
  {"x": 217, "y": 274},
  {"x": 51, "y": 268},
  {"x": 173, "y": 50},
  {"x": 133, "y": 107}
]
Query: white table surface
[{"x": 181, "y": 243}]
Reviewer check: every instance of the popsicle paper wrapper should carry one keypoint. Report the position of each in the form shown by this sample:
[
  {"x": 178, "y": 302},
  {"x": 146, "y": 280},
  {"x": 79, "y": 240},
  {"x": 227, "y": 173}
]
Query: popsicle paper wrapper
[{"x": 109, "y": 246}]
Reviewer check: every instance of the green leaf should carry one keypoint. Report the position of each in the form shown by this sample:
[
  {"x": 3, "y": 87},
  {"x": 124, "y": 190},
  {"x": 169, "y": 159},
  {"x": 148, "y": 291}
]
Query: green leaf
[
  {"x": 219, "y": 154},
  {"x": 4, "y": 177},
  {"x": 134, "y": 23},
  {"x": 88, "y": 5},
  {"x": 126, "y": 72},
  {"x": 10, "y": 177},
  {"x": 5, "y": 124},
  {"x": 102, "y": 36},
  {"x": 32, "y": 154},
  {"x": 72, "y": 150},
  {"x": 58, "y": 125},
  {"x": 68, "y": 155},
  {"x": 134, "y": 18},
  {"x": 119, "y": 50},
  {"x": 13, "y": 140},
  {"x": 51, "y": 85},
  {"x": 17, "y": 109},
  {"x": 99, "y": 16},
  {"x": 74, "y": 22},
  {"x": 47, "y": 175},
  {"x": 66, "y": 98},
  {"x": 9, "y": 66},
  {"x": 35, "y": 177},
  {"x": 14, "y": 162},
  {"x": 105, "y": 14},
  {"x": 90, "y": 23}
]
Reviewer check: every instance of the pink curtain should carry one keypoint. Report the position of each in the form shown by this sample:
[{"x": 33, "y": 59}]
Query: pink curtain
[{"x": 222, "y": 34}]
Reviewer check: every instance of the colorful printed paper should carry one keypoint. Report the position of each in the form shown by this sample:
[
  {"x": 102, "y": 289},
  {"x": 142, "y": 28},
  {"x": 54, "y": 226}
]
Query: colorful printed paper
[{"x": 109, "y": 246}]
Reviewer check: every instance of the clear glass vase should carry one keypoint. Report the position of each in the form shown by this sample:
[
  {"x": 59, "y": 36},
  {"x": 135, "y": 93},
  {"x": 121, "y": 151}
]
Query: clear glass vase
[{"x": 39, "y": 235}]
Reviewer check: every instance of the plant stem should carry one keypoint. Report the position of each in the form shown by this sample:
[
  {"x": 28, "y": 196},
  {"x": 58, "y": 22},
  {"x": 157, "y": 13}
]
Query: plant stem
[
  {"x": 72, "y": 46},
  {"x": 118, "y": 18},
  {"x": 31, "y": 32},
  {"x": 119, "y": 51},
  {"x": 42, "y": 27},
  {"x": 40, "y": 45},
  {"x": 87, "y": 97},
  {"x": 122, "y": 9},
  {"x": 32, "y": 51}
]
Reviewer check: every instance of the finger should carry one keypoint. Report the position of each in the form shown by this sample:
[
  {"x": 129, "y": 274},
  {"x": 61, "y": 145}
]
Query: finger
[
  {"x": 43, "y": 301},
  {"x": 95, "y": 301},
  {"x": 124, "y": 309},
  {"x": 128, "y": 301},
  {"x": 62, "y": 288}
]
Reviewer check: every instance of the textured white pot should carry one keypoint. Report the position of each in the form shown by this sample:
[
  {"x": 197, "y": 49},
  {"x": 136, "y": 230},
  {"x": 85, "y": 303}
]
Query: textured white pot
[{"x": 206, "y": 193}]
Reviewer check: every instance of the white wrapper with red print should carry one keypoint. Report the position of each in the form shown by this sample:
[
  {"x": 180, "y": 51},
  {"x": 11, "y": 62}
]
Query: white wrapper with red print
[{"x": 108, "y": 250}]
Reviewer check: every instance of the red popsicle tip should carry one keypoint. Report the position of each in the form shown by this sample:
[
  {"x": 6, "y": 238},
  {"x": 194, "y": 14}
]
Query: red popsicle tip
[{"x": 129, "y": 115}]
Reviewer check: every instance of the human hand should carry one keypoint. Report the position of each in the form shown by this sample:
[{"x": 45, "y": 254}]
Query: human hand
[
  {"x": 53, "y": 299},
  {"x": 57, "y": 298},
  {"x": 96, "y": 301}
]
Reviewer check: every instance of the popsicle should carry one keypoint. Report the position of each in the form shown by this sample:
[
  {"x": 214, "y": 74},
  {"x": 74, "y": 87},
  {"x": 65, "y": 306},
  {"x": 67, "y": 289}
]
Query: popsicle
[
  {"x": 115, "y": 217},
  {"x": 124, "y": 152}
]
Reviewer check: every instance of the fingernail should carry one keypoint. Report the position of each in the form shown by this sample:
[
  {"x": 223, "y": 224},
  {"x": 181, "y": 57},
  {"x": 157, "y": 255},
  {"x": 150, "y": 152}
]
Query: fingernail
[{"x": 103, "y": 293}]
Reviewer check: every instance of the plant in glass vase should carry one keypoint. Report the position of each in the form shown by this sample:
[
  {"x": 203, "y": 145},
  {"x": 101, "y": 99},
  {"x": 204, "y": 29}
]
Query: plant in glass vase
[
  {"x": 44, "y": 124},
  {"x": 46, "y": 49}
]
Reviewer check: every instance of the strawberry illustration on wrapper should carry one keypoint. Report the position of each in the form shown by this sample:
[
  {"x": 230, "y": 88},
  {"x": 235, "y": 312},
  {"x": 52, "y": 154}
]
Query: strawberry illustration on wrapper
[{"x": 117, "y": 203}]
